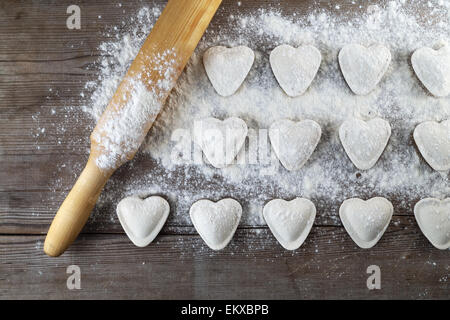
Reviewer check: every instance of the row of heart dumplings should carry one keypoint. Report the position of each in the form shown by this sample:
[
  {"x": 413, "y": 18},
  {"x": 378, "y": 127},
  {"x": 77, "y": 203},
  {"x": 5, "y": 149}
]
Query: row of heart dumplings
[
  {"x": 295, "y": 68},
  {"x": 290, "y": 221},
  {"x": 294, "y": 142}
]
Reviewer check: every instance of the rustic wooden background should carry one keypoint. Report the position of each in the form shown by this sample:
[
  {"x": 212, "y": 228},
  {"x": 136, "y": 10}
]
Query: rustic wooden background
[{"x": 44, "y": 66}]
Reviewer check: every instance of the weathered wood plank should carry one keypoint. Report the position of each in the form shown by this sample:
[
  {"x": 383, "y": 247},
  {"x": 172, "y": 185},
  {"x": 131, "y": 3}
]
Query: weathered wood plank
[
  {"x": 40, "y": 27},
  {"x": 328, "y": 265},
  {"x": 43, "y": 69},
  {"x": 35, "y": 218},
  {"x": 29, "y": 199}
]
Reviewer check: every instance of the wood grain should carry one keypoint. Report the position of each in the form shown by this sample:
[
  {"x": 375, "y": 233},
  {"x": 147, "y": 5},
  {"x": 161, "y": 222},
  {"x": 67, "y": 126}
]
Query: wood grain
[
  {"x": 43, "y": 70},
  {"x": 253, "y": 266},
  {"x": 27, "y": 205}
]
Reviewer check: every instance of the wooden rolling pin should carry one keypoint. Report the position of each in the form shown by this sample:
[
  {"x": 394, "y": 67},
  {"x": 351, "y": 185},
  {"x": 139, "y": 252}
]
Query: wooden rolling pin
[{"x": 174, "y": 37}]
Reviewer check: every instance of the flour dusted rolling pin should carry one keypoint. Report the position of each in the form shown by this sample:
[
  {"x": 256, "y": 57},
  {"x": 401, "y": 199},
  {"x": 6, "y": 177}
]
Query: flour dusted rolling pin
[{"x": 132, "y": 110}]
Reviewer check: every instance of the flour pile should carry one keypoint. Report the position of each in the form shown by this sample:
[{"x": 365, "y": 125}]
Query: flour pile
[{"x": 329, "y": 176}]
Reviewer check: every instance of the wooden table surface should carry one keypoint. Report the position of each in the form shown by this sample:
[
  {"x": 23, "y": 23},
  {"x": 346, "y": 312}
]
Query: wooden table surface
[{"x": 44, "y": 67}]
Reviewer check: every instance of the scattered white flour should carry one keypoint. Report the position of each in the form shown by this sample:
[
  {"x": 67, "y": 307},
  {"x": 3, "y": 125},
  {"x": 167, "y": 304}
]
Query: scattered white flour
[
  {"x": 328, "y": 177},
  {"x": 116, "y": 57}
]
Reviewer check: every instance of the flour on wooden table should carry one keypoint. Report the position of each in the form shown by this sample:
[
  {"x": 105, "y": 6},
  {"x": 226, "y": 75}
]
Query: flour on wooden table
[{"x": 328, "y": 177}]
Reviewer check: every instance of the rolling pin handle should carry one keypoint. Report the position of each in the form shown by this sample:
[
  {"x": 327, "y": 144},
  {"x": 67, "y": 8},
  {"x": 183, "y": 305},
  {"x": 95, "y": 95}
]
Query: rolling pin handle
[{"x": 75, "y": 210}]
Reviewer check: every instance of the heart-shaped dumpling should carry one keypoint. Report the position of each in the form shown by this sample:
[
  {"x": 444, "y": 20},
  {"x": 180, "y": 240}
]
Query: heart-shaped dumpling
[
  {"x": 216, "y": 222},
  {"x": 295, "y": 68},
  {"x": 142, "y": 219},
  {"x": 227, "y": 68},
  {"x": 220, "y": 140},
  {"x": 432, "y": 67},
  {"x": 366, "y": 221},
  {"x": 433, "y": 140},
  {"x": 364, "y": 141},
  {"x": 294, "y": 142},
  {"x": 433, "y": 217},
  {"x": 363, "y": 67},
  {"x": 290, "y": 221}
]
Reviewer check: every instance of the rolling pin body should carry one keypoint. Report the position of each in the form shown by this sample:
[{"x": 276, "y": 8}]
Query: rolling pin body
[{"x": 169, "y": 46}]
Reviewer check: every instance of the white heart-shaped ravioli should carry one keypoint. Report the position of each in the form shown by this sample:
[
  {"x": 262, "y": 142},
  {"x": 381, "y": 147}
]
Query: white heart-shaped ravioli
[
  {"x": 366, "y": 221},
  {"x": 363, "y": 67},
  {"x": 295, "y": 68},
  {"x": 294, "y": 142},
  {"x": 216, "y": 222},
  {"x": 290, "y": 221},
  {"x": 364, "y": 141},
  {"x": 227, "y": 68},
  {"x": 142, "y": 219},
  {"x": 433, "y": 140},
  {"x": 432, "y": 67},
  {"x": 433, "y": 218},
  {"x": 220, "y": 140}
]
